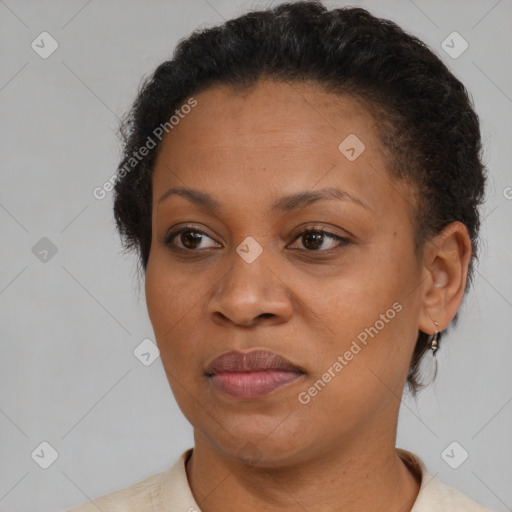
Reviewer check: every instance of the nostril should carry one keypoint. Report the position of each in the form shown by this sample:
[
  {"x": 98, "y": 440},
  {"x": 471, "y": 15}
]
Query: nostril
[{"x": 266, "y": 315}]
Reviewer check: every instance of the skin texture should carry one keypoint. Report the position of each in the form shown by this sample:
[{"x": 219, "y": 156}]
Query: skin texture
[{"x": 248, "y": 150}]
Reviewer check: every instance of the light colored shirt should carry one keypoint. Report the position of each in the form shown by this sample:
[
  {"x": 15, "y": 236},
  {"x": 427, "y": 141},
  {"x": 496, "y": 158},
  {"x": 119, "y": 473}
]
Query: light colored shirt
[{"x": 169, "y": 491}]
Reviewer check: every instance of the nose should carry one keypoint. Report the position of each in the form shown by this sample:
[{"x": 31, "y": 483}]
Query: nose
[{"x": 250, "y": 294}]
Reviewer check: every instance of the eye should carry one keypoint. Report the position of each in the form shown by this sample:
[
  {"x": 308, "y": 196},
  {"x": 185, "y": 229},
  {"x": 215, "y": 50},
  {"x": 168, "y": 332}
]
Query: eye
[
  {"x": 189, "y": 239},
  {"x": 315, "y": 240}
]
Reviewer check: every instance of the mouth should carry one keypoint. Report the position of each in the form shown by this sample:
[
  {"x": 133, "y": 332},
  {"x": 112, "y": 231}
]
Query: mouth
[{"x": 251, "y": 375}]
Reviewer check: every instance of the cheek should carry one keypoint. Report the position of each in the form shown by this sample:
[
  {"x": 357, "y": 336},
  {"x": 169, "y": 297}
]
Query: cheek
[
  {"x": 171, "y": 300},
  {"x": 372, "y": 318},
  {"x": 170, "y": 293},
  {"x": 371, "y": 287},
  {"x": 362, "y": 370}
]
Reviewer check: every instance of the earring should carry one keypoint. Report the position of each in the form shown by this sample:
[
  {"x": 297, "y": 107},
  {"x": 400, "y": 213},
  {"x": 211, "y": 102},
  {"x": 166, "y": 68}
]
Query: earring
[{"x": 434, "y": 344}]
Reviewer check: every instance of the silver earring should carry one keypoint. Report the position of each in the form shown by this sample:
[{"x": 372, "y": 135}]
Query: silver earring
[{"x": 434, "y": 344}]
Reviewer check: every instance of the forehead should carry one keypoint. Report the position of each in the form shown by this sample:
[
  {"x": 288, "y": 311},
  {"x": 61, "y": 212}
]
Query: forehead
[
  {"x": 271, "y": 126},
  {"x": 276, "y": 112},
  {"x": 274, "y": 139}
]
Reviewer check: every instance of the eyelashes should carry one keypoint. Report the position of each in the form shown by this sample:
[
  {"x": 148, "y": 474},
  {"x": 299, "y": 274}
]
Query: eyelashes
[
  {"x": 321, "y": 235},
  {"x": 170, "y": 238},
  {"x": 313, "y": 240}
]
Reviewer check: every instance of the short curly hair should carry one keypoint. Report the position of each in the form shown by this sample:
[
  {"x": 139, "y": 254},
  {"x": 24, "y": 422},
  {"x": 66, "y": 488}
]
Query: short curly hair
[{"x": 425, "y": 116}]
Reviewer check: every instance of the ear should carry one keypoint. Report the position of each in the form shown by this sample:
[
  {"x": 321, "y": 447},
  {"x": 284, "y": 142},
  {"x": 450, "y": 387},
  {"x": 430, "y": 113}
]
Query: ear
[{"x": 446, "y": 260}]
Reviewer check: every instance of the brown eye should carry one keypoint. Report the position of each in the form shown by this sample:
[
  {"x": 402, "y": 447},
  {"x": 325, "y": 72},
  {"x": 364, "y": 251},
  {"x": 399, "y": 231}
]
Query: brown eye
[
  {"x": 320, "y": 240},
  {"x": 188, "y": 239},
  {"x": 312, "y": 240}
]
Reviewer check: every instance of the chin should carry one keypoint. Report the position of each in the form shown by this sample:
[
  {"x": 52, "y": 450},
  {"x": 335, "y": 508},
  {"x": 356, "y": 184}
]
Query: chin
[{"x": 258, "y": 443}]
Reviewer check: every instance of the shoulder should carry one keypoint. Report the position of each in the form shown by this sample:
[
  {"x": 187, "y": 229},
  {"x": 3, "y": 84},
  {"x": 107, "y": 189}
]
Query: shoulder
[
  {"x": 445, "y": 498},
  {"x": 136, "y": 497},
  {"x": 168, "y": 487},
  {"x": 435, "y": 495}
]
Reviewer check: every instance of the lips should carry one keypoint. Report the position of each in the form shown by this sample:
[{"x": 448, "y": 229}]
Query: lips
[
  {"x": 253, "y": 361},
  {"x": 251, "y": 375}
]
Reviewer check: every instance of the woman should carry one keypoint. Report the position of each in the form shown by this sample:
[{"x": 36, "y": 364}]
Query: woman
[{"x": 302, "y": 187}]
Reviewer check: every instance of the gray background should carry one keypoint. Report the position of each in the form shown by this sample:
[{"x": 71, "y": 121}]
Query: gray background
[{"x": 69, "y": 325}]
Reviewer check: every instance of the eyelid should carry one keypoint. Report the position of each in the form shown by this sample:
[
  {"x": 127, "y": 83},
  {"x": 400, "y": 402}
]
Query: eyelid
[
  {"x": 342, "y": 240},
  {"x": 175, "y": 232},
  {"x": 318, "y": 227}
]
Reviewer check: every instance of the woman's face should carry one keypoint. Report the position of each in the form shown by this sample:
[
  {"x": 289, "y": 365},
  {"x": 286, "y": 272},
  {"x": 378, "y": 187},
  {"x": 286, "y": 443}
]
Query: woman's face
[{"x": 342, "y": 306}]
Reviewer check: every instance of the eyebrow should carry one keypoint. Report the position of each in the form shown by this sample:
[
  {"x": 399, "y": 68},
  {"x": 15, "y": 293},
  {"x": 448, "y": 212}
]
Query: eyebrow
[{"x": 283, "y": 205}]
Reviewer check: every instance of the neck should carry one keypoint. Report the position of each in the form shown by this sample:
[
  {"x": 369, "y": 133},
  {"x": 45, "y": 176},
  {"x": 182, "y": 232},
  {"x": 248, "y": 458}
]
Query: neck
[{"x": 360, "y": 477}]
